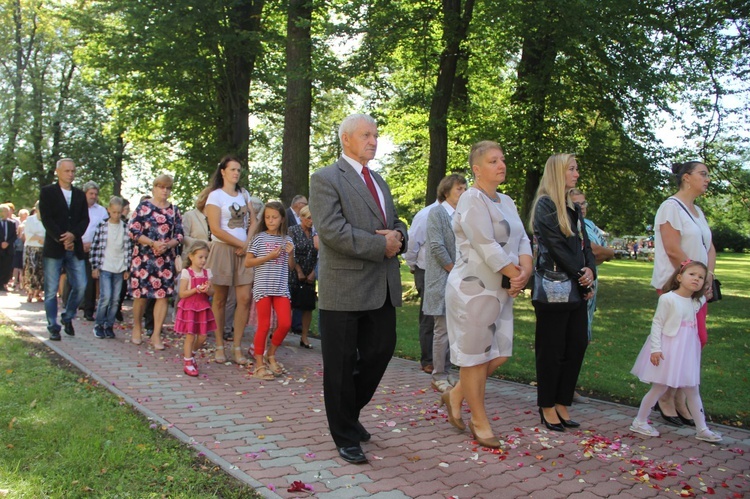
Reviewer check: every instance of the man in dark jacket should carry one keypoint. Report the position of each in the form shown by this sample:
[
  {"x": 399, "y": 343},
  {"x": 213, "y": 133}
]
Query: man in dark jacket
[{"x": 65, "y": 217}]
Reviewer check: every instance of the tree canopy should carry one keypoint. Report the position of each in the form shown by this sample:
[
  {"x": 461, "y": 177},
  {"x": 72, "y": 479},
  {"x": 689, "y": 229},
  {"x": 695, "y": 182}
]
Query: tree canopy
[{"x": 133, "y": 87}]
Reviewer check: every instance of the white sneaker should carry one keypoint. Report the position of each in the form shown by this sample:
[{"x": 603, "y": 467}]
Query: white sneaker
[
  {"x": 707, "y": 435},
  {"x": 643, "y": 428}
]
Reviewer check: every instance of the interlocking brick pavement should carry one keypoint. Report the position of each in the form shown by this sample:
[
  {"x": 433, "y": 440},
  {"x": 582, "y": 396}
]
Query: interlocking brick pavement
[{"x": 272, "y": 433}]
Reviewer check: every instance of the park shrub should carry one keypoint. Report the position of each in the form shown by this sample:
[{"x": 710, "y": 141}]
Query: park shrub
[{"x": 726, "y": 238}]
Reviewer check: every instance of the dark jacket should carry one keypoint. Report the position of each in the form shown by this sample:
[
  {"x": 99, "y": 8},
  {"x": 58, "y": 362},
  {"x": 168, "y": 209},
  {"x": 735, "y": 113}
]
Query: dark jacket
[
  {"x": 553, "y": 247},
  {"x": 10, "y": 236},
  {"x": 58, "y": 219}
]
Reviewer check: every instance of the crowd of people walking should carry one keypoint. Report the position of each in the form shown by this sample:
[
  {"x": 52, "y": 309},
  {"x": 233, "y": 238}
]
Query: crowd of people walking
[{"x": 234, "y": 260}]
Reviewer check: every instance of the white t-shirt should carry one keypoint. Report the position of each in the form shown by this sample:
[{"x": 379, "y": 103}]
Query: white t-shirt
[
  {"x": 695, "y": 238},
  {"x": 97, "y": 213},
  {"x": 68, "y": 195},
  {"x": 233, "y": 212}
]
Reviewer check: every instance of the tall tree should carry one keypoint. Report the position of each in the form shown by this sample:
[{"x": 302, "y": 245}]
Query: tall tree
[{"x": 295, "y": 157}]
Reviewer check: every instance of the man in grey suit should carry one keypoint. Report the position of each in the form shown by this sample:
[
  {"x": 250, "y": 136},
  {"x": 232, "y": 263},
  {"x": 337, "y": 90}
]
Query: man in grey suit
[{"x": 360, "y": 285}]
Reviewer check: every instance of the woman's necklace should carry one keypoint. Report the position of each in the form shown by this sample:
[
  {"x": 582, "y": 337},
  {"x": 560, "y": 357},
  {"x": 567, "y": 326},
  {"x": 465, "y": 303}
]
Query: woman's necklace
[{"x": 494, "y": 199}]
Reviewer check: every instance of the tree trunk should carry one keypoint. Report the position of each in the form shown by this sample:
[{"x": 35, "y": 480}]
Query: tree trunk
[
  {"x": 21, "y": 59},
  {"x": 234, "y": 88},
  {"x": 38, "y": 75},
  {"x": 55, "y": 152},
  {"x": 119, "y": 156},
  {"x": 455, "y": 29},
  {"x": 295, "y": 156},
  {"x": 534, "y": 78}
]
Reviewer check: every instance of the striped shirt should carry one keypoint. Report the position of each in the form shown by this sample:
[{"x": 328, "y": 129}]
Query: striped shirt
[{"x": 271, "y": 277}]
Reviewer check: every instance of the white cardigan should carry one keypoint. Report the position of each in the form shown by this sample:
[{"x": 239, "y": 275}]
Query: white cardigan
[{"x": 670, "y": 312}]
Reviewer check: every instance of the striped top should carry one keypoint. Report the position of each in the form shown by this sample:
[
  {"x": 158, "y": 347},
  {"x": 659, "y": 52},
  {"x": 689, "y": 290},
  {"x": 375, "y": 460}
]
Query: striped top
[{"x": 271, "y": 277}]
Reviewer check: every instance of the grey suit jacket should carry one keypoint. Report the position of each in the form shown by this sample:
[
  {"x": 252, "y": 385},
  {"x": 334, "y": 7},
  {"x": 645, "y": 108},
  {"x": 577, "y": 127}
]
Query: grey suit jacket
[{"x": 354, "y": 274}]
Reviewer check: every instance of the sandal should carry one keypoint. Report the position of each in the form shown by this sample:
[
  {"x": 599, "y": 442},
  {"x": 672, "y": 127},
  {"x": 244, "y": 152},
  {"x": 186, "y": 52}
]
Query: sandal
[
  {"x": 219, "y": 356},
  {"x": 277, "y": 368},
  {"x": 136, "y": 341},
  {"x": 238, "y": 357},
  {"x": 263, "y": 373}
]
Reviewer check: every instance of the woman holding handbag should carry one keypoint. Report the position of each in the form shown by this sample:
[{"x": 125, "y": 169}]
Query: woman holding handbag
[
  {"x": 681, "y": 233},
  {"x": 565, "y": 269},
  {"x": 302, "y": 276}
]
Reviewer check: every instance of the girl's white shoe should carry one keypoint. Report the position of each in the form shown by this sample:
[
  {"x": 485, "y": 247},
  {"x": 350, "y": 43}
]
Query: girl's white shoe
[
  {"x": 643, "y": 428},
  {"x": 707, "y": 435}
]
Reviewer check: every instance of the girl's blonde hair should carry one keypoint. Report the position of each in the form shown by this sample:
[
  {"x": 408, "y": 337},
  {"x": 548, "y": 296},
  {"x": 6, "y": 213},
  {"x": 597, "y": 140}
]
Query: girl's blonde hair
[
  {"x": 552, "y": 185},
  {"x": 673, "y": 283},
  {"x": 197, "y": 245},
  {"x": 261, "y": 225}
]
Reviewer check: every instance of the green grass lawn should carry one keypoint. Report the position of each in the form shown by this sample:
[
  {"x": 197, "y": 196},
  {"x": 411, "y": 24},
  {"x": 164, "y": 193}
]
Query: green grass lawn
[
  {"x": 61, "y": 435},
  {"x": 626, "y": 304}
]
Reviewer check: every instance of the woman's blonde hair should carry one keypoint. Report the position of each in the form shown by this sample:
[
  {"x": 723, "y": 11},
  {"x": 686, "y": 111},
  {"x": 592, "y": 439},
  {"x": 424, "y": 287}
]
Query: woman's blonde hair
[
  {"x": 163, "y": 180},
  {"x": 304, "y": 212},
  {"x": 552, "y": 185}
]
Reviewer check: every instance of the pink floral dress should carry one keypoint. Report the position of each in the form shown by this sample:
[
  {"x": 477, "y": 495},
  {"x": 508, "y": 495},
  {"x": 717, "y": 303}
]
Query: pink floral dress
[{"x": 152, "y": 276}]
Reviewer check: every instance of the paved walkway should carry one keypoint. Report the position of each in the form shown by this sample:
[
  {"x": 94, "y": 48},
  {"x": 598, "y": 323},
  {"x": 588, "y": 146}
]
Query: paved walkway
[{"x": 271, "y": 434}]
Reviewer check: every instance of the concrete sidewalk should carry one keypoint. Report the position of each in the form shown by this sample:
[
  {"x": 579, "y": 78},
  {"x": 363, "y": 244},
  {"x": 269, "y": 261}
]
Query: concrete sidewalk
[{"x": 271, "y": 434}]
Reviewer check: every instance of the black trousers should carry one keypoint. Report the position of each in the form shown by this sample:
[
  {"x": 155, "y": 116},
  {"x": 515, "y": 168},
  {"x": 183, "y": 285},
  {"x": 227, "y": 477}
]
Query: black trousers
[
  {"x": 6, "y": 265},
  {"x": 426, "y": 322},
  {"x": 560, "y": 344},
  {"x": 357, "y": 347}
]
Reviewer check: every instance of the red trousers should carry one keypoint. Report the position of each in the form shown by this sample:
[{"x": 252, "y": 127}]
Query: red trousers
[{"x": 283, "y": 308}]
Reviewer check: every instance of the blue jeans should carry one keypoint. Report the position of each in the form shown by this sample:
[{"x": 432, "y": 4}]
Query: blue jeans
[
  {"x": 76, "y": 272},
  {"x": 110, "y": 285}
]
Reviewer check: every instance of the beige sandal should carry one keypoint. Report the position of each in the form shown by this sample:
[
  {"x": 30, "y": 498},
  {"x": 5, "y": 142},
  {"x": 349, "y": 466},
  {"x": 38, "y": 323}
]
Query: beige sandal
[
  {"x": 262, "y": 372},
  {"x": 219, "y": 355},
  {"x": 238, "y": 357},
  {"x": 276, "y": 367}
]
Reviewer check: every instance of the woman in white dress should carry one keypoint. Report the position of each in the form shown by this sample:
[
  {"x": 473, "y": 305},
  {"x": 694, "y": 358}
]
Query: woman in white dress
[{"x": 491, "y": 243}]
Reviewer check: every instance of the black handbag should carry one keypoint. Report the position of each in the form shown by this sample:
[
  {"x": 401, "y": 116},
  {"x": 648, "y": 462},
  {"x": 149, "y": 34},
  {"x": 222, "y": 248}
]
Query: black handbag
[
  {"x": 303, "y": 296},
  {"x": 554, "y": 290},
  {"x": 716, "y": 288}
]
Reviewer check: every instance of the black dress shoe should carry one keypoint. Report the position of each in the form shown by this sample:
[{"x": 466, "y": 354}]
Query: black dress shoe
[
  {"x": 550, "y": 426},
  {"x": 684, "y": 420},
  {"x": 89, "y": 318},
  {"x": 672, "y": 420},
  {"x": 364, "y": 435},
  {"x": 352, "y": 454},
  {"x": 118, "y": 316},
  {"x": 68, "y": 328},
  {"x": 568, "y": 423},
  {"x": 54, "y": 335}
]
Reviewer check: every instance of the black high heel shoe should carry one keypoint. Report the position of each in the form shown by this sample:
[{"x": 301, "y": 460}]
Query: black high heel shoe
[
  {"x": 684, "y": 420},
  {"x": 305, "y": 345},
  {"x": 550, "y": 426},
  {"x": 673, "y": 420},
  {"x": 568, "y": 423}
]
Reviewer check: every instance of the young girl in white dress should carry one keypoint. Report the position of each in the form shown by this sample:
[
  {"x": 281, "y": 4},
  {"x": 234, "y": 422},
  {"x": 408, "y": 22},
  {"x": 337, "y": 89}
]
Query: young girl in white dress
[{"x": 671, "y": 356}]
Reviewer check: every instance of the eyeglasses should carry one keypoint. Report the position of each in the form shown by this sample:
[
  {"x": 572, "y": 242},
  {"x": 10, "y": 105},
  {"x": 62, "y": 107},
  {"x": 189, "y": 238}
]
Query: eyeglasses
[
  {"x": 167, "y": 187},
  {"x": 584, "y": 204},
  {"x": 703, "y": 174}
]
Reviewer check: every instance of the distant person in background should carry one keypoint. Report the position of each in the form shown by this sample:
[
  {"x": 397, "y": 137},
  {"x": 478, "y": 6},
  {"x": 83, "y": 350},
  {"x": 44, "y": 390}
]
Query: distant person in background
[
  {"x": 415, "y": 259},
  {"x": 18, "y": 284},
  {"x": 33, "y": 261},
  {"x": 602, "y": 254},
  {"x": 302, "y": 276},
  {"x": 97, "y": 213},
  {"x": 8, "y": 235},
  {"x": 65, "y": 216},
  {"x": 681, "y": 232},
  {"x": 293, "y": 218},
  {"x": 440, "y": 257}
]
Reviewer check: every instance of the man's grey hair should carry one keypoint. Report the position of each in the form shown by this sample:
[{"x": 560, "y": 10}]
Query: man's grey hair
[
  {"x": 299, "y": 197},
  {"x": 116, "y": 201},
  {"x": 63, "y": 160},
  {"x": 90, "y": 185},
  {"x": 350, "y": 124}
]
